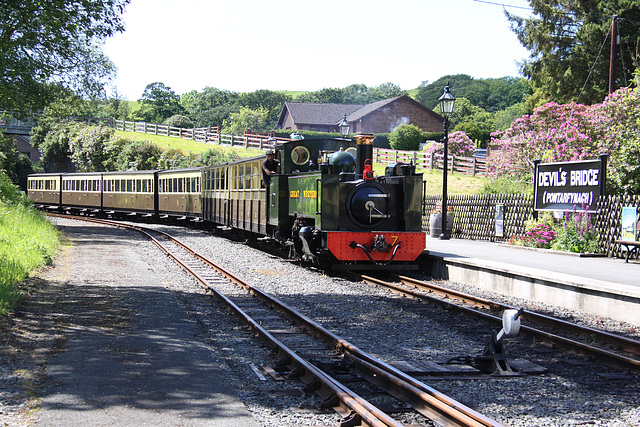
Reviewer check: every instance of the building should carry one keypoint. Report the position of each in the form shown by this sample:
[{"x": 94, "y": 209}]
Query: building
[{"x": 378, "y": 117}]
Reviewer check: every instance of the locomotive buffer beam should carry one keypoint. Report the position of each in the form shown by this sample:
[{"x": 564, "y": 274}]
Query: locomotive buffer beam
[{"x": 379, "y": 245}]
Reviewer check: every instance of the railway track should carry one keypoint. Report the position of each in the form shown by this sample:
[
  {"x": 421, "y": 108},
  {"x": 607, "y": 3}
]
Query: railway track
[
  {"x": 312, "y": 354},
  {"x": 613, "y": 349}
]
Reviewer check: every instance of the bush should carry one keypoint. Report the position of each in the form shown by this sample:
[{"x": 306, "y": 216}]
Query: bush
[
  {"x": 539, "y": 233},
  {"x": 9, "y": 192},
  {"x": 459, "y": 145},
  {"x": 179, "y": 121},
  {"x": 406, "y": 137},
  {"x": 143, "y": 154},
  {"x": 578, "y": 233}
]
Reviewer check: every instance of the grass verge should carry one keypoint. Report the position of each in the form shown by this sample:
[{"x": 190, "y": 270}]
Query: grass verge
[{"x": 27, "y": 241}]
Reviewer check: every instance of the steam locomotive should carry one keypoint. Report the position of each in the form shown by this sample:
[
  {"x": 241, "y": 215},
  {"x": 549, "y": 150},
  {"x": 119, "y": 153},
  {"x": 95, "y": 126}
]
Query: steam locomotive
[{"x": 324, "y": 201}]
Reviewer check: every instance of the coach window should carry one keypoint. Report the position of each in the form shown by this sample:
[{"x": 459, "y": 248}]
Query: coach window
[{"x": 129, "y": 186}]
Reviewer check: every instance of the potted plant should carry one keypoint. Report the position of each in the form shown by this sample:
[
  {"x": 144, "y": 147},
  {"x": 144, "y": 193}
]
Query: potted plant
[{"x": 435, "y": 221}]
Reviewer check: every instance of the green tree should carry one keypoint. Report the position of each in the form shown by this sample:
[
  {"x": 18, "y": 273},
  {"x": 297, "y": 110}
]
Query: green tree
[
  {"x": 210, "y": 107},
  {"x": 565, "y": 39},
  {"x": 52, "y": 138},
  {"x": 15, "y": 164},
  {"x": 179, "y": 121},
  {"x": 59, "y": 41},
  {"x": 245, "y": 119},
  {"x": 159, "y": 102},
  {"x": 271, "y": 102},
  {"x": 143, "y": 154},
  {"x": 92, "y": 148},
  {"x": 386, "y": 91},
  {"x": 489, "y": 94},
  {"x": 406, "y": 137}
]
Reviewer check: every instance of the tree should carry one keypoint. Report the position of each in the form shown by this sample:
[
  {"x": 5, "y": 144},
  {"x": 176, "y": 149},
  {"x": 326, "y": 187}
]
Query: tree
[
  {"x": 52, "y": 138},
  {"x": 143, "y": 154},
  {"x": 245, "y": 119},
  {"x": 406, "y": 137},
  {"x": 565, "y": 39},
  {"x": 489, "y": 94},
  {"x": 48, "y": 45},
  {"x": 386, "y": 91},
  {"x": 179, "y": 121},
  {"x": 92, "y": 148},
  {"x": 271, "y": 102},
  {"x": 13, "y": 163},
  {"x": 210, "y": 107},
  {"x": 159, "y": 102}
]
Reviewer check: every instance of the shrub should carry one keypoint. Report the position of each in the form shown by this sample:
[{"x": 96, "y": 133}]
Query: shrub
[
  {"x": 459, "y": 145},
  {"x": 578, "y": 234},
  {"x": 406, "y": 137},
  {"x": 179, "y": 121},
  {"x": 144, "y": 154}
]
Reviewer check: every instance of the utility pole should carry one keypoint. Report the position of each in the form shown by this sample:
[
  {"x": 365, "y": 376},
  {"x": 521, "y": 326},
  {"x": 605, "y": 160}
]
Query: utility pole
[{"x": 612, "y": 58}]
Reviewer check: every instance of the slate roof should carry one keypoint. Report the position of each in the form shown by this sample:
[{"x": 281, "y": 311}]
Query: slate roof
[
  {"x": 318, "y": 114},
  {"x": 332, "y": 114}
]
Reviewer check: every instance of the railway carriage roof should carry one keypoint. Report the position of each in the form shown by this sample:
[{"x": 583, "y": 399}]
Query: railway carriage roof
[
  {"x": 114, "y": 173},
  {"x": 179, "y": 171}
]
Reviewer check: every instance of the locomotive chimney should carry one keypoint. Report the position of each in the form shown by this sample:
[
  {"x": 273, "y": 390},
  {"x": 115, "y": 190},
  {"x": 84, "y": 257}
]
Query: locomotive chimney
[{"x": 364, "y": 152}]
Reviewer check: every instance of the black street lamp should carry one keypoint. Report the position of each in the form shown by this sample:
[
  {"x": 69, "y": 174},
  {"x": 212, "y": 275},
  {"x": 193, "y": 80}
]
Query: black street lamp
[
  {"x": 446, "y": 106},
  {"x": 344, "y": 127}
]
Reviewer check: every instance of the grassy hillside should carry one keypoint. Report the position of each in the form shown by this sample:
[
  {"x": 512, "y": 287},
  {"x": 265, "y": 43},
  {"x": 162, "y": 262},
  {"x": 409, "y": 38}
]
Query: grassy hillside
[
  {"x": 186, "y": 145},
  {"x": 456, "y": 183}
]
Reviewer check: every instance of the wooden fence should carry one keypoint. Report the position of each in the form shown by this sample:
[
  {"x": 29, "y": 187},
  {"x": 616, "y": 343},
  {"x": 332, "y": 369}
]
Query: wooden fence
[
  {"x": 423, "y": 160},
  {"x": 212, "y": 135},
  {"x": 207, "y": 135},
  {"x": 609, "y": 222},
  {"x": 474, "y": 217}
]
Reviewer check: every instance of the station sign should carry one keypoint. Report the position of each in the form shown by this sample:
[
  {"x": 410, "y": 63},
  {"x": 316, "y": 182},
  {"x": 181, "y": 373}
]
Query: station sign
[{"x": 564, "y": 185}]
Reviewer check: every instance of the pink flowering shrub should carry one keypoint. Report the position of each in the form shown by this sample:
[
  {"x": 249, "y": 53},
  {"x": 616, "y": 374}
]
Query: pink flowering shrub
[
  {"x": 459, "y": 145},
  {"x": 553, "y": 133},
  {"x": 570, "y": 132}
]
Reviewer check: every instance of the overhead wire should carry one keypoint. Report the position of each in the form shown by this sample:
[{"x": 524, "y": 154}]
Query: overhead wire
[{"x": 594, "y": 65}]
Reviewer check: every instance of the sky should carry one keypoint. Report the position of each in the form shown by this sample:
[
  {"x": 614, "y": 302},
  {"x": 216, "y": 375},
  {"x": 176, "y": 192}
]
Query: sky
[{"x": 300, "y": 45}]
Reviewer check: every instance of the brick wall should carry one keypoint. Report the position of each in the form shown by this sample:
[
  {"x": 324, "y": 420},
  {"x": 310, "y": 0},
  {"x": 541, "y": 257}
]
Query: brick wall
[{"x": 403, "y": 111}]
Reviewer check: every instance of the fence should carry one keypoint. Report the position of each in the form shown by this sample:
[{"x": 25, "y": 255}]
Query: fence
[
  {"x": 212, "y": 135},
  {"x": 609, "y": 221},
  {"x": 474, "y": 217},
  {"x": 207, "y": 135},
  {"x": 464, "y": 165}
]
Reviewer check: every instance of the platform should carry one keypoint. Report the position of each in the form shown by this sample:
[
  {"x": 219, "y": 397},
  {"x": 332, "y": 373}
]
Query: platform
[{"x": 603, "y": 286}]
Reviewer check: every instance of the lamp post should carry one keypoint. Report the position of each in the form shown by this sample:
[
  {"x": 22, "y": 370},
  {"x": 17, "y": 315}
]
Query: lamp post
[
  {"x": 344, "y": 127},
  {"x": 446, "y": 106}
]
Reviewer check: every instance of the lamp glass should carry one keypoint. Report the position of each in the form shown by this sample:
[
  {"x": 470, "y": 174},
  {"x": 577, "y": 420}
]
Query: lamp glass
[
  {"x": 447, "y": 101},
  {"x": 344, "y": 127}
]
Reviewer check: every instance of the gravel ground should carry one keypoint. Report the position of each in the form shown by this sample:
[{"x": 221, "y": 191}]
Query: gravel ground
[{"x": 573, "y": 392}]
